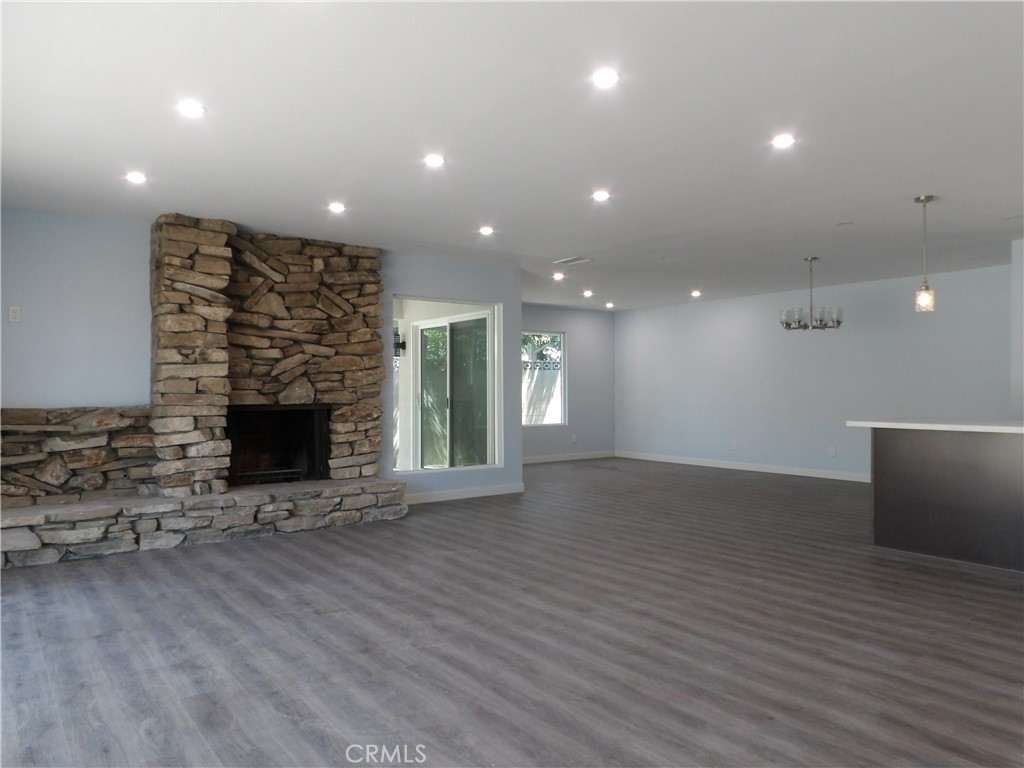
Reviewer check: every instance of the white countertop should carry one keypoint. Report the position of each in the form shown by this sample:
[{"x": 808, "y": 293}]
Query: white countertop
[{"x": 1016, "y": 428}]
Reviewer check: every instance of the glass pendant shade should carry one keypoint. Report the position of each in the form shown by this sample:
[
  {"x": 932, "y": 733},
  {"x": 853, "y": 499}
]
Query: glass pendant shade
[{"x": 924, "y": 299}]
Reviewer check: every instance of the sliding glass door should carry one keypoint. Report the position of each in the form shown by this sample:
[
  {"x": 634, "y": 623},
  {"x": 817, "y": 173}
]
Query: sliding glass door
[
  {"x": 434, "y": 397},
  {"x": 455, "y": 393},
  {"x": 469, "y": 392}
]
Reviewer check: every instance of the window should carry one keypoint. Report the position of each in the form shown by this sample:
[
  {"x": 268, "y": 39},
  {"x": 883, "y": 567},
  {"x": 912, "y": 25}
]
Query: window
[
  {"x": 445, "y": 384},
  {"x": 543, "y": 378}
]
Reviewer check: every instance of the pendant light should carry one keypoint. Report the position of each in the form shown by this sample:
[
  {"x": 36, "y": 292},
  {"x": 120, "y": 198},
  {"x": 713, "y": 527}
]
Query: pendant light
[{"x": 924, "y": 299}]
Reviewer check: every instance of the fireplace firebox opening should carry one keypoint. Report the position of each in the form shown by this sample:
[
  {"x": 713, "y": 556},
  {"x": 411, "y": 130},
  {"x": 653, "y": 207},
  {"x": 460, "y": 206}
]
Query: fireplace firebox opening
[{"x": 278, "y": 443}]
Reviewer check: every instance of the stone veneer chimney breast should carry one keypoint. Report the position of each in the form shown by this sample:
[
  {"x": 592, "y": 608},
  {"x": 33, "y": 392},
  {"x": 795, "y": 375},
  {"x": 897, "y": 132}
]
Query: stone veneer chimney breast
[{"x": 246, "y": 319}]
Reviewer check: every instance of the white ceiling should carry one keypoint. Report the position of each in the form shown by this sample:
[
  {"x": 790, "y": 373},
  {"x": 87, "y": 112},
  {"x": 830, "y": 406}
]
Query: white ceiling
[{"x": 309, "y": 103}]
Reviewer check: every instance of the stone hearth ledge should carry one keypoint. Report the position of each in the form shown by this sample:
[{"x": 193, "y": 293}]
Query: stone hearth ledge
[{"x": 46, "y": 534}]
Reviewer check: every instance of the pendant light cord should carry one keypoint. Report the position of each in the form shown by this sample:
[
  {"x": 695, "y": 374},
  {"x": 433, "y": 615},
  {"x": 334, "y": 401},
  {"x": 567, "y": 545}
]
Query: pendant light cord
[{"x": 924, "y": 239}]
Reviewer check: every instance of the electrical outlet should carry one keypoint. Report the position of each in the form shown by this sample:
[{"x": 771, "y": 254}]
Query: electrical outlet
[
  {"x": 14, "y": 313},
  {"x": 574, "y": 439},
  {"x": 735, "y": 445},
  {"x": 832, "y": 451}
]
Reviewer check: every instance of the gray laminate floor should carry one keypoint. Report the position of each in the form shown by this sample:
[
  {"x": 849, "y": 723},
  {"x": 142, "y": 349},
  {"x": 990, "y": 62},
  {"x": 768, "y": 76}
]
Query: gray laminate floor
[{"x": 618, "y": 613}]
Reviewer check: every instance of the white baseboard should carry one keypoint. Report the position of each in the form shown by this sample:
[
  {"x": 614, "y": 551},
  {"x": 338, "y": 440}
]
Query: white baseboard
[
  {"x": 857, "y": 477},
  {"x": 568, "y": 457},
  {"x": 463, "y": 493}
]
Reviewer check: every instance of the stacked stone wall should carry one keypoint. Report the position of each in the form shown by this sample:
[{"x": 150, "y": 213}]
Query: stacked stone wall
[
  {"x": 306, "y": 331},
  {"x": 248, "y": 319},
  {"x": 65, "y": 455},
  {"x": 46, "y": 534},
  {"x": 191, "y": 267}
]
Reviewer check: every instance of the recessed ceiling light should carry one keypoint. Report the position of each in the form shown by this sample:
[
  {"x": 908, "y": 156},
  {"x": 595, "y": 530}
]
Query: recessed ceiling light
[
  {"x": 558, "y": 276},
  {"x": 695, "y": 294},
  {"x": 783, "y": 141},
  {"x": 606, "y": 77},
  {"x": 190, "y": 108},
  {"x": 336, "y": 207},
  {"x": 588, "y": 293},
  {"x": 601, "y": 195},
  {"x": 609, "y": 305},
  {"x": 136, "y": 177},
  {"x": 486, "y": 231},
  {"x": 434, "y": 160}
]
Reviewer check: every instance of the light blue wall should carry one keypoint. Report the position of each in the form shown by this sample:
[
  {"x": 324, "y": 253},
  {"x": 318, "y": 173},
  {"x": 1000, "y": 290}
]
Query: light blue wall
[
  {"x": 1017, "y": 327},
  {"x": 83, "y": 287},
  {"x": 590, "y": 380},
  {"x": 691, "y": 379},
  {"x": 425, "y": 277},
  {"x": 680, "y": 382}
]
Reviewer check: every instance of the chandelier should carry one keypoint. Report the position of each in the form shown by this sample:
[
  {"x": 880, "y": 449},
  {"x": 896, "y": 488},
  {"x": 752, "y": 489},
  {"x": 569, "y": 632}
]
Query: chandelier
[{"x": 815, "y": 318}]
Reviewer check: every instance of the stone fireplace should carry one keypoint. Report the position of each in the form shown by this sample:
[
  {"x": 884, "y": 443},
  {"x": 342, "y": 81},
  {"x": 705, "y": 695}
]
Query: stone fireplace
[
  {"x": 267, "y": 366},
  {"x": 260, "y": 320}
]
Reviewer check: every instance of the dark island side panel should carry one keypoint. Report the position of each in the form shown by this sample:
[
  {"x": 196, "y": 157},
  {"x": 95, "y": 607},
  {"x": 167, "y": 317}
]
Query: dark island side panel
[{"x": 951, "y": 494}]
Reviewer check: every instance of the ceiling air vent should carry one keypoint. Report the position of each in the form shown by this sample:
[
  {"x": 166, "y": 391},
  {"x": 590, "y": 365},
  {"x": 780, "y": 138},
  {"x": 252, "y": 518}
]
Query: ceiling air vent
[{"x": 571, "y": 262}]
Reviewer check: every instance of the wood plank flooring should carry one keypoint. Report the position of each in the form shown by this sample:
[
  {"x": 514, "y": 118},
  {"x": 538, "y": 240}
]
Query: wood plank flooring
[{"x": 619, "y": 613}]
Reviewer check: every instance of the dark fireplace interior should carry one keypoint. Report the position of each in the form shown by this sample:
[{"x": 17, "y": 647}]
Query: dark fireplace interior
[{"x": 278, "y": 443}]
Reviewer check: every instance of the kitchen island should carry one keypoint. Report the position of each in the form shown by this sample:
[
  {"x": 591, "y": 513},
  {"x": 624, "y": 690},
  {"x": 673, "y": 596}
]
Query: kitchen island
[{"x": 950, "y": 489}]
